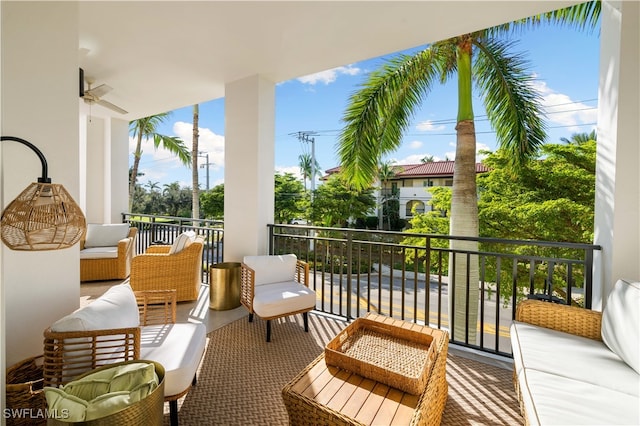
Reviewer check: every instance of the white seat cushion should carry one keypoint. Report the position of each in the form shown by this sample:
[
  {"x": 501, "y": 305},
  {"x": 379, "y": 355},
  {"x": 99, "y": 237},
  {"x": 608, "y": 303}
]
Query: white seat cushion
[
  {"x": 272, "y": 269},
  {"x": 621, "y": 322},
  {"x": 573, "y": 357},
  {"x": 272, "y": 300},
  {"x": 99, "y": 253},
  {"x": 550, "y": 399},
  {"x": 178, "y": 347}
]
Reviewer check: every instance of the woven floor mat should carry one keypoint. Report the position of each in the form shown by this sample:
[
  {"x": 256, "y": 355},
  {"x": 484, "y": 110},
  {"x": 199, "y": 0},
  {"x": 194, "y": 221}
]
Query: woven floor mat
[{"x": 241, "y": 377}]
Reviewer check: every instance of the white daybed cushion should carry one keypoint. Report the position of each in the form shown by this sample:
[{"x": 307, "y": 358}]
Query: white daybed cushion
[
  {"x": 116, "y": 308},
  {"x": 621, "y": 322},
  {"x": 183, "y": 241},
  {"x": 573, "y": 357},
  {"x": 105, "y": 235},
  {"x": 178, "y": 347},
  {"x": 271, "y": 300},
  {"x": 550, "y": 399},
  {"x": 272, "y": 269},
  {"x": 99, "y": 253}
]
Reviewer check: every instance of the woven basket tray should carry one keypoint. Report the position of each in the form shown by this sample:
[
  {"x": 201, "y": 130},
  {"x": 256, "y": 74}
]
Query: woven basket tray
[{"x": 392, "y": 355}]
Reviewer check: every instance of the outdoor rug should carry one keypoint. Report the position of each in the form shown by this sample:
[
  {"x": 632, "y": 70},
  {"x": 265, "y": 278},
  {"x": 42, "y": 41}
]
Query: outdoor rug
[{"x": 241, "y": 377}]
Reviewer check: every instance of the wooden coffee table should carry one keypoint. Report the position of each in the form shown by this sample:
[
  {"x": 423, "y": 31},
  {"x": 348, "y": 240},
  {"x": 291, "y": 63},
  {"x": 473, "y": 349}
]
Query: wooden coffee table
[{"x": 327, "y": 395}]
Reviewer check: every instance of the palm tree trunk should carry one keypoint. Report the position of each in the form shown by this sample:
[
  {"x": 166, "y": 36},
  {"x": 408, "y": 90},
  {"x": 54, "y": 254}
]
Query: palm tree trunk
[
  {"x": 134, "y": 170},
  {"x": 195, "y": 203},
  {"x": 463, "y": 268}
]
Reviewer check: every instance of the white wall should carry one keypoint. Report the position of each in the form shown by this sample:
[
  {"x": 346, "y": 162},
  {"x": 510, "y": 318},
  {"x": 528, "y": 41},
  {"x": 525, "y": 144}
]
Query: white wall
[
  {"x": 39, "y": 81},
  {"x": 249, "y": 166},
  {"x": 617, "y": 205}
]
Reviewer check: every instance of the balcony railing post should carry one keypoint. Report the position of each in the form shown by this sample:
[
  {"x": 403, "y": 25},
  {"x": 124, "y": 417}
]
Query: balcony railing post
[{"x": 349, "y": 266}]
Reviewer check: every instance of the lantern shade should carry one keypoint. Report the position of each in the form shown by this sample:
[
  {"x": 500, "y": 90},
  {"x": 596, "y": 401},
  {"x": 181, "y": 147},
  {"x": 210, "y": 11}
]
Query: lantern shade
[{"x": 43, "y": 217}]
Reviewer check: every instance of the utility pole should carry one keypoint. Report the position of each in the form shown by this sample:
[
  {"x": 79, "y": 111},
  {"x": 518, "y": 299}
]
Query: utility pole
[{"x": 206, "y": 165}]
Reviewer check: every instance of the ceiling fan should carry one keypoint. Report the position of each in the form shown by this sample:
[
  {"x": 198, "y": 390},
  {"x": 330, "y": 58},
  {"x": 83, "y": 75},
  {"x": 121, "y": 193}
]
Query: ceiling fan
[{"x": 94, "y": 95}]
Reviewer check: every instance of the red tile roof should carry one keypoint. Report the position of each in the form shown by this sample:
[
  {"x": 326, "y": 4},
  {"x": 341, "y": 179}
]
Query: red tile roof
[{"x": 434, "y": 168}]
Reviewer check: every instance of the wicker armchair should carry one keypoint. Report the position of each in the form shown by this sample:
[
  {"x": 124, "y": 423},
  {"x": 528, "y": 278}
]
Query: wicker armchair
[
  {"x": 276, "y": 286},
  {"x": 108, "y": 268},
  {"x": 178, "y": 347},
  {"x": 156, "y": 269}
]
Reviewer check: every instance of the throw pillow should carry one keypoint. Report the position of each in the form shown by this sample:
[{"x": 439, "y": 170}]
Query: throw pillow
[
  {"x": 183, "y": 241},
  {"x": 621, "y": 322}
]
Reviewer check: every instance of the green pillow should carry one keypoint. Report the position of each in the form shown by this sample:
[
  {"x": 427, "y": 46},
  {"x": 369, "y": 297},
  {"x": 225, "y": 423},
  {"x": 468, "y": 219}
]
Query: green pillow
[
  {"x": 68, "y": 408},
  {"x": 104, "y": 392}
]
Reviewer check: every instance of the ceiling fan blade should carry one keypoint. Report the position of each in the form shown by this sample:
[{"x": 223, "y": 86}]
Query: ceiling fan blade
[
  {"x": 111, "y": 106},
  {"x": 99, "y": 91}
]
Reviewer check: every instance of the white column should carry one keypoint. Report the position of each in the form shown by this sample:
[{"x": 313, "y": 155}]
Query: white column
[
  {"x": 617, "y": 204},
  {"x": 249, "y": 166},
  {"x": 39, "y": 83},
  {"x": 104, "y": 180}
]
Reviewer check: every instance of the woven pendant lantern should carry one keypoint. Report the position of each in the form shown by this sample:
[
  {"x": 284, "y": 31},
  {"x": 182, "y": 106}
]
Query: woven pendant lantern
[{"x": 44, "y": 216}]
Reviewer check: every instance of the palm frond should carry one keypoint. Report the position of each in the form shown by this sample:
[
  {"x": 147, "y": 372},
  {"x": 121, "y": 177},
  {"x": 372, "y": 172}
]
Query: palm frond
[
  {"x": 513, "y": 105},
  {"x": 381, "y": 111},
  {"x": 174, "y": 145}
]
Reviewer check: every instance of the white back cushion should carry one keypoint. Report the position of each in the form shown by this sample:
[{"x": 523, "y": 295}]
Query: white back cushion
[
  {"x": 116, "y": 308},
  {"x": 272, "y": 269},
  {"x": 105, "y": 235},
  {"x": 621, "y": 322},
  {"x": 183, "y": 241}
]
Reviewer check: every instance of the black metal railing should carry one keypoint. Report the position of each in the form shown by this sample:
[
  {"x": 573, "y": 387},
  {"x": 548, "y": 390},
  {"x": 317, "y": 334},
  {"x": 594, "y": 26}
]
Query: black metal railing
[
  {"x": 405, "y": 275},
  {"x": 164, "y": 230}
]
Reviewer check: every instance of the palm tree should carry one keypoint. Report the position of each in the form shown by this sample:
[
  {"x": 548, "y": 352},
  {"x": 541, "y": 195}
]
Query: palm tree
[
  {"x": 428, "y": 159},
  {"x": 195, "y": 203},
  {"x": 146, "y": 128},
  {"x": 307, "y": 167},
  {"x": 381, "y": 111},
  {"x": 580, "y": 138}
]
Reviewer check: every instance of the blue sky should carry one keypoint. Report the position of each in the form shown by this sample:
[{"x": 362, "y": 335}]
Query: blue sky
[{"x": 564, "y": 62}]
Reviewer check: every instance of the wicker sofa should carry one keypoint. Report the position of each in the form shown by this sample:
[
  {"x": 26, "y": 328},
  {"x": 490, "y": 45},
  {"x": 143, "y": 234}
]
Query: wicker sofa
[
  {"x": 574, "y": 366},
  {"x": 106, "y": 251},
  {"x": 120, "y": 326},
  {"x": 171, "y": 267}
]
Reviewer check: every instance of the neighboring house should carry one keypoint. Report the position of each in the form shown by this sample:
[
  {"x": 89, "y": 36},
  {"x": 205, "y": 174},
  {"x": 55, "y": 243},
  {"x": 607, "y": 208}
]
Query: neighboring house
[{"x": 410, "y": 184}]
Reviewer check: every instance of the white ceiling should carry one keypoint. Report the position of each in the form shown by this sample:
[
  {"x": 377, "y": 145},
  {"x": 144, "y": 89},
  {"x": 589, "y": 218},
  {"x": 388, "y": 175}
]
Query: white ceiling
[{"x": 163, "y": 55}]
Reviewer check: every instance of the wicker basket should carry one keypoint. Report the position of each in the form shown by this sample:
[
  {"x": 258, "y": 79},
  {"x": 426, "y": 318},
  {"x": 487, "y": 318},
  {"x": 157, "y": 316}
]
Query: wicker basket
[
  {"x": 24, "y": 395},
  {"x": 396, "y": 356},
  {"x": 147, "y": 411}
]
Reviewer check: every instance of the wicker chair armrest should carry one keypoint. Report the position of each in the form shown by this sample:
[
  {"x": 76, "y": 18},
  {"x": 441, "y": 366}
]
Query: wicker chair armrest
[
  {"x": 568, "y": 319},
  {"x": 157, "y": 306},
  {"x": 247, "y": 285},
  {"x": 125, "y": 245},
  {"x": 68, "y": 354},
  {"x": 157, "y": 249},
  {"x": 302, "y": 272}
]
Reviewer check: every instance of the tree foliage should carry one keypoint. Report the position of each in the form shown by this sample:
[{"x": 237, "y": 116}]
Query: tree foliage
[
  {"x": 289, "y": 198},
  {"x": 212, "y": 202},
  {"x": 335, "y": 203}
]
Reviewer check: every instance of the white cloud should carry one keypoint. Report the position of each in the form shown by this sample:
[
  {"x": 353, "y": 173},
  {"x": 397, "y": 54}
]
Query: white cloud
[
  {"x": 159, "y": 164},
  {"x": 208, "y": 142},
  {"x": 428, "y": 126},
  {"x": 415, "y": 144},
  {"x": 561, "y": 110},
  {"x": 329, "y": 76},
  {"x": 294, "y": 170}
]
